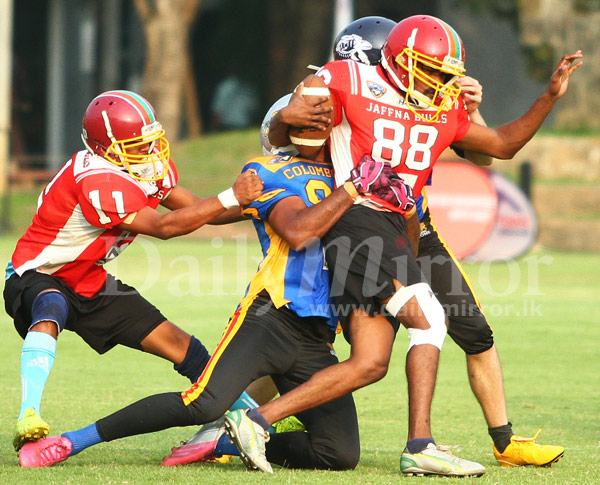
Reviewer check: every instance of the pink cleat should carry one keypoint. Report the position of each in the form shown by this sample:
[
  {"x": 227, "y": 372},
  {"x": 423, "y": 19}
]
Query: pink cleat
[
  {"x": 200, "y": 447},
  {"x": 182, "y": 455},
  {"x": 47, "y": 452}
]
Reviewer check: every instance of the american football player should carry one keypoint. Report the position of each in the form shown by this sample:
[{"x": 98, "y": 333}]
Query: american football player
[
  {"x": 283, "y": 327},
  {"x": 406, "y": 111},
  {"x": 93, "y": 208},
  {"x": 362, "y": 40}
]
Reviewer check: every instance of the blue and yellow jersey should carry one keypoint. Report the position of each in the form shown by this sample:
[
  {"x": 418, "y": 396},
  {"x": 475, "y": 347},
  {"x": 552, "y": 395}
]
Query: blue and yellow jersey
[{"x": 298, "y": 279}]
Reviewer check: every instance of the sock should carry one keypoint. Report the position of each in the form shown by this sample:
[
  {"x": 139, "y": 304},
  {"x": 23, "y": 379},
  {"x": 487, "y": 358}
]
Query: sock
[
  {"x": 226, "y": 447},
  {"x": 37, "y": 358},
  {"x": 417, "y": 445},
  {"x": 254, "y": 415},
  {"x": 245, "y": 401},
  {"x": 501, "y": 436},
  {"x": 194, "y": 362},
  {"x": 83, "y": 438}
]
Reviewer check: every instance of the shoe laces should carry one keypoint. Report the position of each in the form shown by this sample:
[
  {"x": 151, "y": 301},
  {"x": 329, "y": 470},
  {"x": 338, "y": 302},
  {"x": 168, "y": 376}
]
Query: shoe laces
[
  {"x": 446, "y": 450},
  {"x": 523, "y": 439},
  {"x": 53, "y": 452}
]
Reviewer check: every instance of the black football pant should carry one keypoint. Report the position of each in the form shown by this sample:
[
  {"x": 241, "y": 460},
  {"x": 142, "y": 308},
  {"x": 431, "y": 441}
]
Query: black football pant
[{"x": 259, "y": 340}]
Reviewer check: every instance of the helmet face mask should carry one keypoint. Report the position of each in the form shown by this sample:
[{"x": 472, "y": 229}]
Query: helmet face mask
[
  {"x": 424, "y": 57},
  {"x": 121, "y": 127}
]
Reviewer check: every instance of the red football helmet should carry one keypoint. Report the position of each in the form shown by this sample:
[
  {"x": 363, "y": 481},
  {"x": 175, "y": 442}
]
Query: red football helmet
[
  {"x": 414, "y": 47},
  {"x": 121, "y": 127}
]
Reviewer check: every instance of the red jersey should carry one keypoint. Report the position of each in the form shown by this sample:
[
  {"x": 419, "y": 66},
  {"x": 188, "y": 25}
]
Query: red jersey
[
  {"x": 73, "y": 231},
  {"x": 371, "y": 117}
]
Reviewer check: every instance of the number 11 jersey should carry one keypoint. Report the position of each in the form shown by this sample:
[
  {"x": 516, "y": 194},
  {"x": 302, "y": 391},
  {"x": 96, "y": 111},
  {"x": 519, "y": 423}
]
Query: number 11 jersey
[{"x": 74, "y": 230}]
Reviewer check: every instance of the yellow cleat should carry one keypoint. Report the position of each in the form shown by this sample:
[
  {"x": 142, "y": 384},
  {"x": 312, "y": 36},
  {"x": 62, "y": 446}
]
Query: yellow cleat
[
  {"x": 286, "y": 425},
  {"x": 31, "y": 427},
  {"x": 220, "y": 459},
  {"x": 525, "y": 451}
]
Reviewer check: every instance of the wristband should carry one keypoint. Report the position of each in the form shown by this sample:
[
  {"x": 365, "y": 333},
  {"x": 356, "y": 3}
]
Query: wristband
[
  {"x": 227, "y": 199},
  {"x": 351, "y": 189}
]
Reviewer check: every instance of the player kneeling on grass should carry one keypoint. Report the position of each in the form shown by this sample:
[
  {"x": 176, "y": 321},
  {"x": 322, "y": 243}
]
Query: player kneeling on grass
[
  {"x": 283, "y": 327},
  {"x": 93, "y": 208}
]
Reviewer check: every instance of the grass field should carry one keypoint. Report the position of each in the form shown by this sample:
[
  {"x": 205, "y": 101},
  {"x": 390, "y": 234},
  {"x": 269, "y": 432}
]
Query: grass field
[{"x": 545, "y": 314}]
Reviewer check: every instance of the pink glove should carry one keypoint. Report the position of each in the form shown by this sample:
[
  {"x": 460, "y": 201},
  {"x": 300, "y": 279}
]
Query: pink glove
[
  {"x": 366, "y": 174},
  {"x": 398, "y": 194}
]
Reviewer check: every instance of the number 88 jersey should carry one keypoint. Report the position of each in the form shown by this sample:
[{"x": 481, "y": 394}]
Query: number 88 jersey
[{"x": 371, "y": 117}]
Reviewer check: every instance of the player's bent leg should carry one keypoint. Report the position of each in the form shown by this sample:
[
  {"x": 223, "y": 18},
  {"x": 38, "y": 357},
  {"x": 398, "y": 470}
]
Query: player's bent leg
[
  {"x": 49, "y": 313},
  {"x": 330, "y": 443},
  {"x": 187, "y": 353},
  {"x": 421, "y": 313}
]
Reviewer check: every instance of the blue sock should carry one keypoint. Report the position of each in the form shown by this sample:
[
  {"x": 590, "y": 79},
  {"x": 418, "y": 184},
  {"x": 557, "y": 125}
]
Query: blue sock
[
  {"x": 83, "y": 438},
  {"x": 244, "y": 402},
  {"x": 226, "y": 447},
  {"x": 37, "y": 358},
  {"x": 417, "y": 445}
]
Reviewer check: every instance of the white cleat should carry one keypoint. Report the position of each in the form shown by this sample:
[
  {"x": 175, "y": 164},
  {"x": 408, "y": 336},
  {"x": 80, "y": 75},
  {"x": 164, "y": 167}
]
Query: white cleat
[
  {"x": 436, "y": 460},
  {"x": 250, "y": 439}
]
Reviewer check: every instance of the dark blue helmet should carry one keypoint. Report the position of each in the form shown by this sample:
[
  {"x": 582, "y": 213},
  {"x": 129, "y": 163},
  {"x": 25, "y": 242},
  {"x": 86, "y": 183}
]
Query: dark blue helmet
[{"x": 363, "y": 39}]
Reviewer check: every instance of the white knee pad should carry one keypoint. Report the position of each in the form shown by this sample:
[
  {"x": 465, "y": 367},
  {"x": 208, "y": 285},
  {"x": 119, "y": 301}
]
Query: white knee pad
[{"x": 432, "y": 310}]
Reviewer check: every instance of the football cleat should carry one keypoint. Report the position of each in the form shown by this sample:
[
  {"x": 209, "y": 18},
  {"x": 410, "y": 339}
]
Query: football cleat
[
  {"x": 200, "y": 447},
  {"x": 46, "y": 452},
  {"x": 31, "y": 427},
  {"x": 437, "y": 460},
  {"x": 525, "y": 451},
  {"x": 286, "y": 425},
  {"x": 250, "y": 439}
]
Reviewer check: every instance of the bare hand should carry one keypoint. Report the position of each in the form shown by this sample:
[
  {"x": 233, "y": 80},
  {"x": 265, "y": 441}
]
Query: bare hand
[
  {"x": 560, "y": 77},
  {"x": 248, "y": 187},
  {"x": 303, "y": 113},
  {"x": 471, "y": 91}
]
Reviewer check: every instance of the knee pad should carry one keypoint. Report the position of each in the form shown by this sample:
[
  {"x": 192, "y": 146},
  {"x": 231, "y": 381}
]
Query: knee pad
[
  {"x": 50, "y": 306},
  {"x": 431, "y": 308}
]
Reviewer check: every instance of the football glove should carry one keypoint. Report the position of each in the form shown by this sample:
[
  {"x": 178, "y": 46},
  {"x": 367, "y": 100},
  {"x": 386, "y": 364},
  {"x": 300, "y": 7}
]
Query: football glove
[
  {"x": 397, "y": 193},
  {"x": 366, "y": 174}
]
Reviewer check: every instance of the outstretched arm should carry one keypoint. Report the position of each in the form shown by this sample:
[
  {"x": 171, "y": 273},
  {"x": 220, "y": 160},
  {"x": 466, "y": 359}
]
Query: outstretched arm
[
  {"x": 193, "y": 212},
  {"x": 505, "y": 141}
]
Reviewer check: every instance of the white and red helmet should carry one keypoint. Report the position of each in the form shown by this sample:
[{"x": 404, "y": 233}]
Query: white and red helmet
[
  {"x": 418, "y": 44},
  {"x": 116, "y": 124}
]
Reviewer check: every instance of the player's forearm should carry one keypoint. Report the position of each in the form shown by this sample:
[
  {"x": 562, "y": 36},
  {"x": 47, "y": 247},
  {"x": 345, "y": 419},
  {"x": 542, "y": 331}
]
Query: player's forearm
[
  {"x": 516, "y": 134},
  {"x": 480, "y": 159},
  {"x": 278, "y": 132},
  {"x": 315, "y": 221},
  {"x": 186, "y": 220},
  {"x": 229, "y": 216}
]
